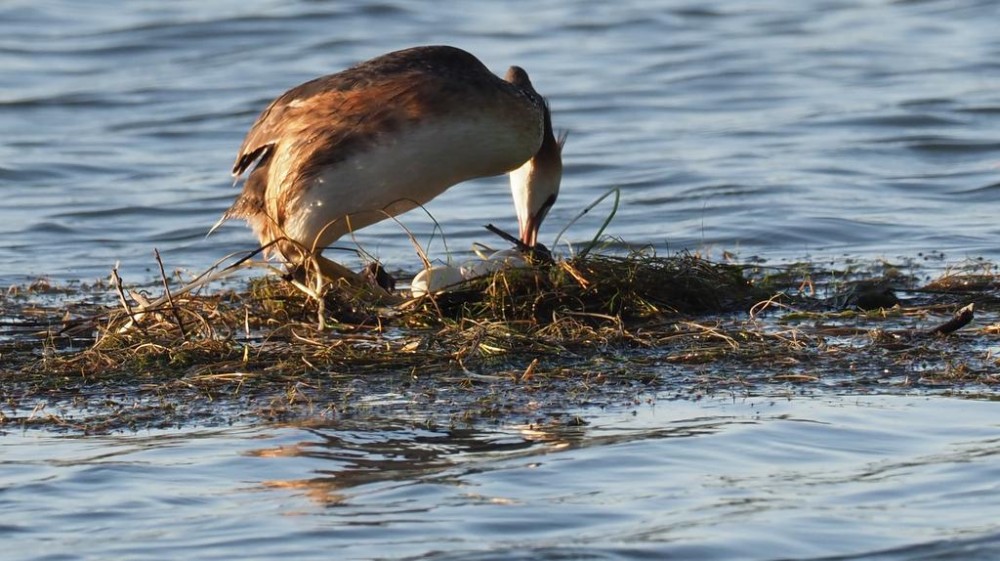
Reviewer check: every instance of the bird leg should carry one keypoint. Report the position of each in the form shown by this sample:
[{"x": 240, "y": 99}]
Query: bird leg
[{"x": 332, "y": 273}]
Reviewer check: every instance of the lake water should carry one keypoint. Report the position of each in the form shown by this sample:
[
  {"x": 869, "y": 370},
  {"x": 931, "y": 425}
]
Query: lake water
[
  {"x": 773, "y": 129},
  {"x": 874, "y": 478},
  {"x": 769, "y": 128}
]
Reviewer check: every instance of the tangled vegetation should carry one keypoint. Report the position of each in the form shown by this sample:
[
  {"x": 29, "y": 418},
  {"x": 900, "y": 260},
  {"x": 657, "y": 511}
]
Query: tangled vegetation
[{"x": 105, "y": 357}]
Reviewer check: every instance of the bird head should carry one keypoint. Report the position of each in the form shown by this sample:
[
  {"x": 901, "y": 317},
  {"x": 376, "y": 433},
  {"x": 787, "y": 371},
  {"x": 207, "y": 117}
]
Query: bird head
[{"x": 535, "y": 185}]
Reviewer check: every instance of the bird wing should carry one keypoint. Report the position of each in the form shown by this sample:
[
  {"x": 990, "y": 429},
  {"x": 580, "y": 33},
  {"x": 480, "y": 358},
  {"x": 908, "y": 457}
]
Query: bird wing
[
  {"x": 379, "y": 94},
  {"x": 325, "y": 117}
]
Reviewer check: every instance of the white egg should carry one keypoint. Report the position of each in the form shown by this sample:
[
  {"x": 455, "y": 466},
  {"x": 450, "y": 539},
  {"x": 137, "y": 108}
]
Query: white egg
[
  {"x": 507, "y": 258},
  {"x": 440, "y": 278},
  {"x": 435, "y": 280},
  {"x": 479, "y": 268}
]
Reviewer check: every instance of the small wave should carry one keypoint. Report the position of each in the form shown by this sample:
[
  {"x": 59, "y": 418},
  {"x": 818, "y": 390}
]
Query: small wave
[
  {"x": 51, "y": 228},
  {"x": 118, "y": 212},
  {"x": 194, "y": 233},
  {"x": 980, "y": 110},
  {"x": 939, "y": 143},
  {"x": 33, "y": 174},
  {"x": 955, "y": 145},
  {"x": 894, "y": 121},
  {"x": 991, "y": 188},
  {"x": 88, "y": 100}
]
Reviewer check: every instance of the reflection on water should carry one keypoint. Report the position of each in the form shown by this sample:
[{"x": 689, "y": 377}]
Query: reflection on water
[
  {"x": 832, "y": 478},
  {"x": 390, "y": 454}
]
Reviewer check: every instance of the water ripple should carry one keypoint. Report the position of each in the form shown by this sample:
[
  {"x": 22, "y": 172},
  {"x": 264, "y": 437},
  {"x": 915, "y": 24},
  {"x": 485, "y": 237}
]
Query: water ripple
[
  {"x": 885, "y": 475},
  {"x": 841, "y": 121}
]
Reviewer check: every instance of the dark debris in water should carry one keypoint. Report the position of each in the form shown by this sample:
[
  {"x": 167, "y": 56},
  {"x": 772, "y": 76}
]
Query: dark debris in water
[{"x": 522, "y": 344}]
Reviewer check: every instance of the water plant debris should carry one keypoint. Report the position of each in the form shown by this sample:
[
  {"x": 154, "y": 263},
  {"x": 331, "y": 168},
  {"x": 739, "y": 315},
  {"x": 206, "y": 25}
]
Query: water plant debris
[{"x": 522, "y": 343}]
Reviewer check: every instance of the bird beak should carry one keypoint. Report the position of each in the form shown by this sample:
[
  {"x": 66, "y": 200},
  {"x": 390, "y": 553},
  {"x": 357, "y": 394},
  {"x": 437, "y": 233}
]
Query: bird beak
[{"x": 535, "y": 185}]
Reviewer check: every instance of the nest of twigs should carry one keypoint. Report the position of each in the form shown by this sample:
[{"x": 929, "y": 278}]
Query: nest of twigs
[
  {"x": 272, "y": 328},
  {"x": 628, "y": 288},
  {"x": 585, "y": 319}
]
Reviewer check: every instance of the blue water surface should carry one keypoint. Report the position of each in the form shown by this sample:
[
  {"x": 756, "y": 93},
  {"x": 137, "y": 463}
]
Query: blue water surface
[
  {"x": 774, "y": 130},
  {"x": 770, "y": 129},
  {"x": 859, "y": 478}
]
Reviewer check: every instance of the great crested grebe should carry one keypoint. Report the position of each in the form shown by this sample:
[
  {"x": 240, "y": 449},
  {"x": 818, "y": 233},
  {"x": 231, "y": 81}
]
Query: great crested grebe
[{"x": 344, "y": 151}]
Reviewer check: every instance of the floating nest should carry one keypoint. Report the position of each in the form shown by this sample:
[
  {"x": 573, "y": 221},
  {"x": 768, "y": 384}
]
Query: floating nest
[
  {"x": 629, "y": 288},
  {"x": 105, "y": 356}
]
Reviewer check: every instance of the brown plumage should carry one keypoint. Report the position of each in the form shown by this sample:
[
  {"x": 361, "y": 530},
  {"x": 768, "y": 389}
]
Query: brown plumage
[{"x": 347, "y": 150}]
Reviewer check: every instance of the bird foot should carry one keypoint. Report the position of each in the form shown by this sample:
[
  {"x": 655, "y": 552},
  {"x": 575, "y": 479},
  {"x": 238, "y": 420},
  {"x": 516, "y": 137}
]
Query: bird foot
[{"x": 374, "y": 280}]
